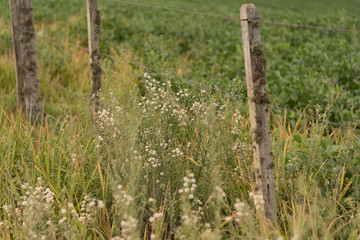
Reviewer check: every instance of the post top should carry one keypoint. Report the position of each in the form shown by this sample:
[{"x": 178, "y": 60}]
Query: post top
[{"x": 249, "y": 11}]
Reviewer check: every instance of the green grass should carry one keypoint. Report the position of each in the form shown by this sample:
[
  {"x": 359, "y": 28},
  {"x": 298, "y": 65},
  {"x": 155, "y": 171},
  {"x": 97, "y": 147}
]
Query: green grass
[
  {"x": 305, "y": 66},
  {"x": 152, "y": 139},
  {"x": 149, "y": 151}
]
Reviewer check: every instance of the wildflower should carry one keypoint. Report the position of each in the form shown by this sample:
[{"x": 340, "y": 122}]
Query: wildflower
[
  {"x": 101, "y": 204},
  {"x": 73, "y": 157},
  {"x": 258, "y": 199},
  {"x": 295, "y": 237},
  {"x": 116, "y": 238},
  {"x": 62, "y": 220},
  {"x": 220, "y": 191}
]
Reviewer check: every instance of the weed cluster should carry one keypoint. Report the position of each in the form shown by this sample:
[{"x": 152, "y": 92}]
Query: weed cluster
[{"x": 167, "y": 164}]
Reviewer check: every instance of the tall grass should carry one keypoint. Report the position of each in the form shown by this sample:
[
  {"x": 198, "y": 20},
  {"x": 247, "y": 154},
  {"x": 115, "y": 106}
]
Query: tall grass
[{"x": 166, "y": 163}]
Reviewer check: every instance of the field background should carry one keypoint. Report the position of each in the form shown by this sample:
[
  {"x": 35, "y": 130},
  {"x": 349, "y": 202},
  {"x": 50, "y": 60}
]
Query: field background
[
  {"x": 305, "y": 66},
  {"x": 317, "y": 164}
]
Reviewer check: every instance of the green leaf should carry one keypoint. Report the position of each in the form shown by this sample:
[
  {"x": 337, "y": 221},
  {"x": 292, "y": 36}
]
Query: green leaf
[
  {"x": 298, "y": 138},
  {"x": 332, "y": 149}
]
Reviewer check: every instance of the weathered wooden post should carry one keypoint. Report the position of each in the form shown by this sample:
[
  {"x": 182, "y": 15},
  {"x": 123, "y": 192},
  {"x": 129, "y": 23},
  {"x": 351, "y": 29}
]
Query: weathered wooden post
[
  {"x": 15, "y": 22},
  {"x": 255, "y": 66},
  {"x": 24, "y": 40},
  {"x": 93, "y": 20}
]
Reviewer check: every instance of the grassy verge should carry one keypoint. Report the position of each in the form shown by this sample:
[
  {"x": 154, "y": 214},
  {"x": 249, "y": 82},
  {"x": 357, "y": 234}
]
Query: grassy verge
[
  {"x": 169, "y": 164},
  {"x": 171, "y": 160}
]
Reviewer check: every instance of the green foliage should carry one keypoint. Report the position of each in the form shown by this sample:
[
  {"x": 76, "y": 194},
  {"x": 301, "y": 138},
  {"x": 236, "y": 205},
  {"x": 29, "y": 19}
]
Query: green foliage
[
  {"x": 166, "y": 164},
  {"x": 170, "y": 159},
  {"x": 305, "y": 66}
]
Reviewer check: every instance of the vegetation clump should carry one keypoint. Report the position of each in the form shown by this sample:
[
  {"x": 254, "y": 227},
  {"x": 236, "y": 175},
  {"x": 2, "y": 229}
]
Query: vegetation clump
[{"x": 171, "y": 159}]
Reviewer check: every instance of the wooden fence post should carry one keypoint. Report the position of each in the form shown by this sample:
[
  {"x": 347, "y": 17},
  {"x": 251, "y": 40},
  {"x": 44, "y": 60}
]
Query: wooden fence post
[
  {"x": 93, "y": 20},
  {"x": 24, "y": 40},
  {"x": 15, "y": 22},
  {"x": 255, "y": 66}
]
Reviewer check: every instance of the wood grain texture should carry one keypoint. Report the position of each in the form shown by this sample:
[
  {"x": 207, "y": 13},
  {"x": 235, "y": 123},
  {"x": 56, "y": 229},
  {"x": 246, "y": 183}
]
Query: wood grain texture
[
  {"x": 93, "y": 21},
  {"x": 255, "y": 68},
  {"x": 15, "y": 23},
  {"x": 24, "y": 39}
]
